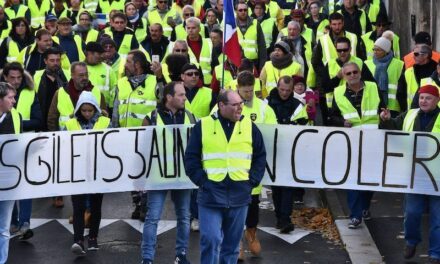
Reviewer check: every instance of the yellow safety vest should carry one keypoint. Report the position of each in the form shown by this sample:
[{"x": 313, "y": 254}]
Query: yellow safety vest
[
  {"x": 179, "y": 10},
  {"x": 248, "y": 41},
  {"x": 141, "y": 31},
  {"x": 273, "y": 74},
  {"x": 24, "y": 57},
  {"x": 25, "y": 102},
  {"x": 181, "y": 32},
  {"x": 221, "y": 157},
  {"x": 38, "y": 74},
  {"x": 13, "y": 50},
  {"x": 408, "y": 122},
  {"x": 154, "y": 17},
  {"x": 369, "y": 45},
  {"x": 125, "y": 46},
  {"x": 369, "y": 118},
  {"x": 38, "y": 15},
  {"x": 21, "y": 12},
  {"x": 200, "y": 105},
  {"x": 362, "y": 20},
  {"x": 205, "y": 60},
  {"x": 90, "y": 5},
  {"x": 394, "y": 72},
  {"x": 411, "y": 85},
  {"x": 102, "y": 123},
  {"x": 66, "y": 108},
  {"x": 106, "y": 7},
  {"x": 102, "y": 77},
  {"x": 219, "y": 75},
  {"x": 329, "y": 49},
  {"x": 92, "y": 35},
  {"x": 299, "y": 113},
  {"x": 159, "y": 121},
  {"x": 267, "y": 27},
  {"x": 16, "y": 120},
  {"x": 134, "y": 105},
  {"x": 6, "y": 31},
  {"x": 78, "y": 43}
]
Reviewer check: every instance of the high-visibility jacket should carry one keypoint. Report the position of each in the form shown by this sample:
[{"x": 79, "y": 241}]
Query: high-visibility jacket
[
  {"x": 106, "y": 7},
  {"x": 102, "y": 76},
  {"x": 66, "y": 13},
  {"x": 248, "y": 41},
  {"x": 38, "y": 74},
  {"x": 141, "y": 31},
  {"x": 333, "y": 69},
  {"x": 299, "y": 113},
  {"x": 38, "y": 14},
  {"x": 181, "y": 32},
  {"x": 24, "y": 57},
  {"x": 205, "y": 60},
  {"x": 24, "y": 103},
  {"x": 267, "y": 27},
  {"x": 16, "y": 120},
  {"x": 13, "y": 50},
  {"x": 20, "y": 13},
  {"x": 134, "y": 105},
  {"x": 394, "y": 71},
  {"x": 125, "y": 46},
  {"x": 329, "y": 49},
  {"x": 221, "y": 157},
  {"x": 362, "y": 20},
  {"x": 159, "y": 122},
  {"x": 78, "y": 43},
  {"x": 369, "y": 45},
  {"x": 200, "y": 105},
  {"x": 373, "y": 12},
  {"x": 66, "y": 108},
  {"x": 90, "y": 5},
  {"x": 369, "y": 118},
  {"x": 102, "y": 123},
  {"x": 6, "y": 31},
  {"x": 412, "y": 86},
  {"x": 92, "y": 35},
  {"x": 224, "y": 79},
  {"x": 155, "y": 17},
  {"x": 273, "y": 74},
  {"x": 179, "y": 10},
  {"x": 321, "y": 28},
  {"x": 408, "y": 122}
]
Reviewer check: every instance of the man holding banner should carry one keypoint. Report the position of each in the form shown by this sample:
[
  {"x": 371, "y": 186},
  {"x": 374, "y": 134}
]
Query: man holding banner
[
  {"x": 356, "y": 104},
  {"x": 426, "y": 119},
  {"x": 226, "y": 158}
]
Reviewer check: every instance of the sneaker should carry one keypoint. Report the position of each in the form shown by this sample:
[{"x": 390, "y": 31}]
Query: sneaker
[
  {"x": 195, "y": 225},
  {"x": 409, "y": 251},
  {"x": 136, "y": 213},
  {"x": 366, "y": 215},
  {"x": 92, "y": 244},
  {"x": 78, "y": 248},
  {"x": 25, "y": 232},
  {"x": 181, "y": 259},
  {"x": 287, "y": 228},
  {"x": 354, "y": 223}
]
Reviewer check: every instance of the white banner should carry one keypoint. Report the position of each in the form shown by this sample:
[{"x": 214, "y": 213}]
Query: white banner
[{"x": 117, "y": 160}]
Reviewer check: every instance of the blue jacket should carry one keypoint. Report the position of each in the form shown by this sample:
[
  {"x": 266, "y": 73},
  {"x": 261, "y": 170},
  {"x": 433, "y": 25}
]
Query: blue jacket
[{"x": 227, "y": 193}]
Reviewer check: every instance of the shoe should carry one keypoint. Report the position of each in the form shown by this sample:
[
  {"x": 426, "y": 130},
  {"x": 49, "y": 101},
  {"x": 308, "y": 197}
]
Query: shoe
[
  {"x": 25, "y": 232},
  {"x": 87, "y": 216},
  {"x": 58, "y": 202},
  {"x": 278, "y": 224},
  {"x": 181, "y": 259},
  {"x": 142, "y": 215},
  {"x": 298, "y": 201},
  {"x": 354, "y": 223},
  {"x": 287, "y": 228},
  {"x": 195, "y": 225},
  {"x": 366, "y": 215},
  {"x": 78, "y": 248},
  {"x": 92, "y": 244},
  {"x": 147, "y": 261},
  {"x": 251, "y": 238},
  {"x": 434, "y": 260},
  {"x": 13, "y": 230},
  {"x": 136, "y": 213},
  {"x": 409, "y": 251},
  {"x": 241, "y": 253}
]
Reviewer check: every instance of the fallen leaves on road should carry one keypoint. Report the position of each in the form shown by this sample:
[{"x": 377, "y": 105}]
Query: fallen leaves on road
[{"x": 318, "y": 220}]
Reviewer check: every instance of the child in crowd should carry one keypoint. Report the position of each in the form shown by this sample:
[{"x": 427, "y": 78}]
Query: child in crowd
[{"x": 306, "y": 96}]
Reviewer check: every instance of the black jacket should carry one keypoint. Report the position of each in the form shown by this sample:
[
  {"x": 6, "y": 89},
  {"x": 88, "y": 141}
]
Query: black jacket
[{"x": 284, "y": 109}]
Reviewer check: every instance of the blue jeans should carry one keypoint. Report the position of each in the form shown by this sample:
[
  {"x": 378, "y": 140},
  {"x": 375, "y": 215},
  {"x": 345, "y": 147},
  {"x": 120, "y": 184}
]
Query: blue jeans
[
  {"x": 221, "y": 230},
  {"x": 22, "y": 213},
  {"x": 415, "y": 205},
  {"x": 5, "y": 223},
  {"x": 358, "y": 201},
  {"x": 155, "y": 203}
]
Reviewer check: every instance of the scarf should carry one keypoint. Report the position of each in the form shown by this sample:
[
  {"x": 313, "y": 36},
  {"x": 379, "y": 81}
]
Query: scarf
[
  {"x": 381, "y": 74},
  {"x": 134, "y": 18},
  {"x": 137, "y": 80},
  {"x": 283, "y": 62}
]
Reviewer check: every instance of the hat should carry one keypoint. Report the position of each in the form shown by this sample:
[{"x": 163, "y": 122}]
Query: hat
[
  {"x": 423, "y": 38},
  {"x": 94, "y": 46},
  {"x": 383, "y": 43},
  {"x": 429, "y": 89},
  {"x": 87, "y": 98},
  {"x": 298, "y": 79},
  {"x": 64, "y": 20},
  {"x": 189, "y": 66},
  {"x": 298, "y": 13},
  {"x": 283, "y": 46},
  {"x": 108, "y": 41},
  {"x": 382, "y": 20},
  {"x": 51, "y": 17}
]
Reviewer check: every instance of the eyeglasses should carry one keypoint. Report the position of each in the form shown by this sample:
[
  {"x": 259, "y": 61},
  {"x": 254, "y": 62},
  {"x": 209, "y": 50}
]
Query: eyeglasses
[
  {"x": 236, "y": 104},
  {"x": 241, "y": 10},
  {"x": 188, "y": 14},
  {"x": 352, "y": 72},
  {"x": 180, "y": 50},
  {"x": 377, "y": 49},
  {"x": 342, "y": 50},
  {"x": 162, "y": 2},
  {"x": 419, "y": 53},
  {"x": 189, "y": 74}
]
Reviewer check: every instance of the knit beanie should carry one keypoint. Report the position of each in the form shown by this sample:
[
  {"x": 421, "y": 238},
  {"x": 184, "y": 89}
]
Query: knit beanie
[{"x": 383, "y": 43}]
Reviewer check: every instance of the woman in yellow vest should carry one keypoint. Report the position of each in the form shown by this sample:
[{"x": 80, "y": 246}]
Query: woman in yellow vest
[
  {"x": 19, "y": 37},
  {"x": 14, "y": 9},
  {"x": 87, "y": 116},
  {"x": 135, "y": 22}
]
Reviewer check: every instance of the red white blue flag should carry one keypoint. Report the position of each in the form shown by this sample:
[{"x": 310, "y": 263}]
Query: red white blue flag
[{"x": 231, "y": 47}]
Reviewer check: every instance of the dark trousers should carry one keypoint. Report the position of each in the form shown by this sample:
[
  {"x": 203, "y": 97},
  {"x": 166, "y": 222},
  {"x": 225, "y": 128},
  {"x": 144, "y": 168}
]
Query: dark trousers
[
  {"x": 252, "y": 217},
  {"x": 283, "y": 202},
  {"x": 79, "y": 207},
  {"x": 358, "y": 201}
]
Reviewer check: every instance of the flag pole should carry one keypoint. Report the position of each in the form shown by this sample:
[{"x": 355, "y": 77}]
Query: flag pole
[{"x": 223, "y": 49}]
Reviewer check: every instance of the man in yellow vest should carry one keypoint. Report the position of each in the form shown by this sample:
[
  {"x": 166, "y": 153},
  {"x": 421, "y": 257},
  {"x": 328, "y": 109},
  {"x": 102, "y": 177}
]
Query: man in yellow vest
[
  {"x": 357, "y": 104},
  {"x": 250, "y": 37},
  {"x": 70, "y": 43},
  {"x": 373, "y": 8},
  {"x": 165, "y": 16},
  {"x": 423, "y": 119},
  {"x": 84, "y": 27},
  {"x": 356, "y": 20},
  {"x": 51, "y": 24},
  {"x": 10, "y": 123},
  {"x": 111, "y": 56},
  {"x": 268, "y": 24},
  {"x": 17, "y": 9},
  {"x": 39, "y": 9},
  {"x": 226, "y": 158}
]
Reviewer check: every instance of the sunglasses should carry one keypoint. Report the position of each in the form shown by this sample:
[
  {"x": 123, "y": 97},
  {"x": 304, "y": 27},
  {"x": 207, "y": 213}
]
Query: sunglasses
[
  {"x": 189, "y": 74},
  {"x": 189, "y": 14},
  {"x": 419, "y": 53},
  {"x": 180, "y": 50},
  {"x": 342, "y": 50},
  {"x": 352, "y": 72}
]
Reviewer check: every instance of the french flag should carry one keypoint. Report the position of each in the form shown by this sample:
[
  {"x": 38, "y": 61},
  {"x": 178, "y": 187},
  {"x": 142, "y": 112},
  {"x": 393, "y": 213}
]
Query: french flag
[{"x": 231, "y": 47}]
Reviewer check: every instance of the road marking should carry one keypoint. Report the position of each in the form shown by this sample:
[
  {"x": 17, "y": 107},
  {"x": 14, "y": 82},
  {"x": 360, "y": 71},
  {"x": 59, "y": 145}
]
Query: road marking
[{"x": 291, "y": 238}]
